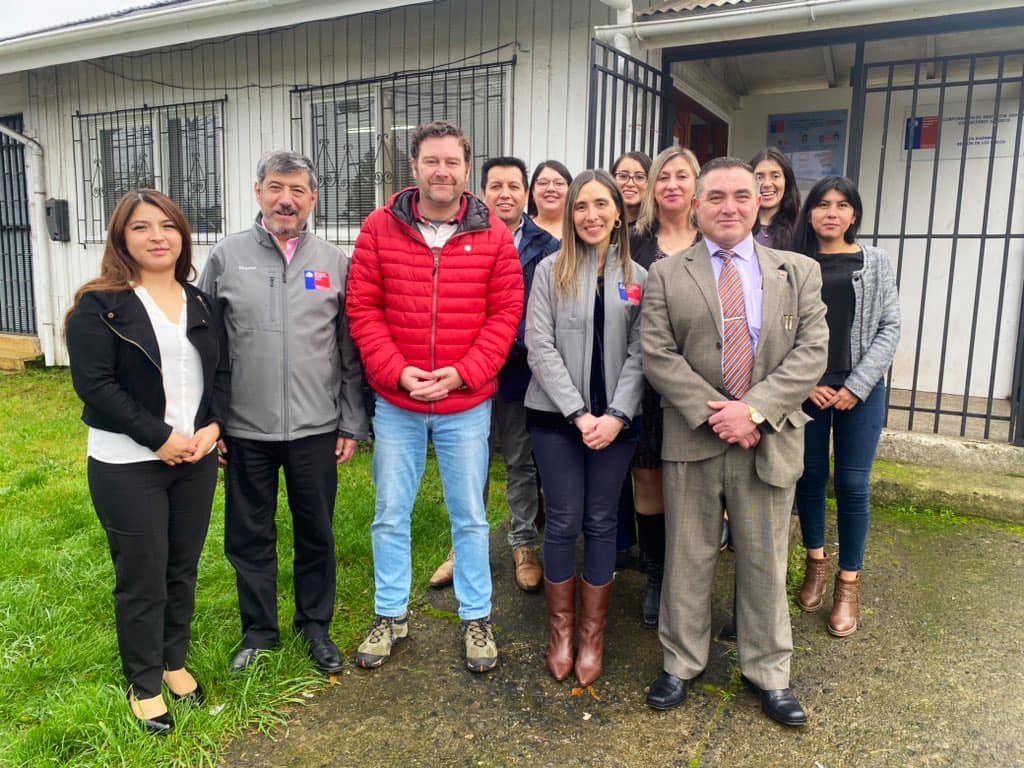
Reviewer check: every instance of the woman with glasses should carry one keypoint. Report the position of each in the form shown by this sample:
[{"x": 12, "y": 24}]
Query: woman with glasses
[
  {"x": 667, "y": 225},
  {"x": 546, "y": 200},
  {"x": 630, "y": 174}
]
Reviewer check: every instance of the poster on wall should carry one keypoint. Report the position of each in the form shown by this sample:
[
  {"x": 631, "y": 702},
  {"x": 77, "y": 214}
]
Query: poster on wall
[
  {"x": 984, "y": 133},
  {"x": 814, "y": 142}
]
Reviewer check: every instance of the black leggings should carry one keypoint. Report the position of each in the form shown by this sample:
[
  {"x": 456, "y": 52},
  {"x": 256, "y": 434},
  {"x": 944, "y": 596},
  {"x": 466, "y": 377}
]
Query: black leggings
[{"x": 156, "y": 517}]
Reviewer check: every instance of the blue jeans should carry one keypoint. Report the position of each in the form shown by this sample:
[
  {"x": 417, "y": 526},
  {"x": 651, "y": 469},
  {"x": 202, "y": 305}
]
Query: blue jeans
[
  {"x": 399, "y": 457},
  {"x": 856, "y": 434}
]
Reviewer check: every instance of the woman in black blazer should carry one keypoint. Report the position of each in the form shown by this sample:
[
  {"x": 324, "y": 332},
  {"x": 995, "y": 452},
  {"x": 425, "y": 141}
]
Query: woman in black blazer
[{"x": 148, "y": 361}]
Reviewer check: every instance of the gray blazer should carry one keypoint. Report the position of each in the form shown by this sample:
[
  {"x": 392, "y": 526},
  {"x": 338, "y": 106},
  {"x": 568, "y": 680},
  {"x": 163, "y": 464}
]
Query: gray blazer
[
  {"x": 560, "y": 339},
  {"x": 681, "y": 337},
  {"x": 876, "y": 322}
]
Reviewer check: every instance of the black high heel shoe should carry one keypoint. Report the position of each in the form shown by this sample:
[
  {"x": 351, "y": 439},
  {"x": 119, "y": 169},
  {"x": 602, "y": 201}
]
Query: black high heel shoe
[
  {"x": 194, "y": 698},
  {"x": 159, "y": 725}
]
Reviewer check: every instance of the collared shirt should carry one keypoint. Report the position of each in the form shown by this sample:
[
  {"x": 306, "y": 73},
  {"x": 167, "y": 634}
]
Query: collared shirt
[
  {"x": 437, "y": 233},
  {"x": 517, "y": 233},
  {"x": 749, "y": 269},
  {"x": 289, "y": 248}
]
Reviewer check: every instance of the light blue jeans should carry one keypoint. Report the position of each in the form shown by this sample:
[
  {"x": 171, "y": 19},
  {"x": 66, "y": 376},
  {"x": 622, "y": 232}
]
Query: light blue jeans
[{"x": 399, "y": 456}]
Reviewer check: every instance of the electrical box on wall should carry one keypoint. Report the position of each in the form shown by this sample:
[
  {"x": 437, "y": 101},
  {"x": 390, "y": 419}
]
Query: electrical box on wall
[{"x": 57, "y": 220}]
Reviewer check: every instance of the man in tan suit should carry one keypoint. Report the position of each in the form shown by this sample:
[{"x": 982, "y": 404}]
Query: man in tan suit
[{"x": 734, "y": 338}]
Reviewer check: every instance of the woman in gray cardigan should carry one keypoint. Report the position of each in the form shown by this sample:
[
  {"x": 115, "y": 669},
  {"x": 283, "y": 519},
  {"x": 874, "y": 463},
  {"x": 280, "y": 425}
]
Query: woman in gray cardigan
[
  {"x": 583, "y": 348},
  {"x": 848, "y": 405}
]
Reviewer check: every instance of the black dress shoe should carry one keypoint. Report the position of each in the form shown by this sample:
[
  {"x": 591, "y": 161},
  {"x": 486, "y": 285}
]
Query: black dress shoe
[
  {"x": 194, "y": 698},
  {"x": 780, "y": 705},
  {"x": 667, "y": 692},
  {"x": 324, "y": 653},
  {"x": 159, "y": 725},
  {"x": 245, "y": 658}
]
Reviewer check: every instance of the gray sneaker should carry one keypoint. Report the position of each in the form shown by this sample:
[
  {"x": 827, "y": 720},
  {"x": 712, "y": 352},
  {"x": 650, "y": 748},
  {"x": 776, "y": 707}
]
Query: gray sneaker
[
  {"x": 481, "y": 650},
  {"x": 376, "y": 648}
]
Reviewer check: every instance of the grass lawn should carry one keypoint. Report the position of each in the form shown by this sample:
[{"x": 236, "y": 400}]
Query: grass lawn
[{"x": 61, "y": 690}]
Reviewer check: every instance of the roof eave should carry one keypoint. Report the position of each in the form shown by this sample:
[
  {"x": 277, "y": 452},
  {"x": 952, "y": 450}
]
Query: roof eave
[{"x": 172, "y": 25}]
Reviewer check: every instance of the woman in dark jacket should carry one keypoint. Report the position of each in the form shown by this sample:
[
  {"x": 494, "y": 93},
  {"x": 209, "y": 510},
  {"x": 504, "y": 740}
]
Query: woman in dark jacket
[{"x": 147, "y": 361}]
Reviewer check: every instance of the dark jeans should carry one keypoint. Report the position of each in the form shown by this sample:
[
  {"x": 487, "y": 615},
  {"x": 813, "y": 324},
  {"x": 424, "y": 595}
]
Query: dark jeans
[
  {"x": 156, "y": 517},
  {"x": 250, "y": 531},
  {"x": 856, "y": 434},
  {"x": 581, "y": 494}
]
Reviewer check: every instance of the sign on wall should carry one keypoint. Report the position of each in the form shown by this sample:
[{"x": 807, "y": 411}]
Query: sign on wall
[
  {"x": 923, "y": 132},
  {"x": 814, "y": 142}
]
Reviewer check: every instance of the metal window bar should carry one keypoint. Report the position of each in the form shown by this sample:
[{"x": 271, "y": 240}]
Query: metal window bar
[
  {"x": 625, "y": 107},
  {"x": 358, "y": 133},
  {"x": 176, "y": 148},
  {"x": 975, "y": 96},
  {"x": 17, "y": 300}
]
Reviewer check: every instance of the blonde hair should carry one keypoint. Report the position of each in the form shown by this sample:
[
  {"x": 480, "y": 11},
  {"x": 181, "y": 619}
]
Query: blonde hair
[
  {"x": 573, "y": 251},
  {"x": 648, "y": 217}
]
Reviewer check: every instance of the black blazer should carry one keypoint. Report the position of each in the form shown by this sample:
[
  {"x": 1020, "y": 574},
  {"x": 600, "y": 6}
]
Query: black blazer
[{"x": 115, "y": 364}]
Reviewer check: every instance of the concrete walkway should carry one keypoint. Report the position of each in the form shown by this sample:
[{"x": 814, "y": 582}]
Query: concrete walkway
[{"x": 933, "y": 677}]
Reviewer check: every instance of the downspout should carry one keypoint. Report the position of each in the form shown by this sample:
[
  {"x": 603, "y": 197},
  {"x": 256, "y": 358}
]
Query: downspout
[
  {"x": 42, "y": 262},
  {"x": 623, "y": 18}
]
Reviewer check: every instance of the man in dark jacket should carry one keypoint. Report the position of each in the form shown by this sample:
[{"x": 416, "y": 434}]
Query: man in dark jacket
[
  {"x": 505, "y": 193},
  {"x": 296, "y": 404},
  {"x": 435, "y": 297}
]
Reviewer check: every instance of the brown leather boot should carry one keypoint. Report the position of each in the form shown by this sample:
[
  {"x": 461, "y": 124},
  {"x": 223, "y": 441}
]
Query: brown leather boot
[
  {"x": 845, "y": 604},
  {"x": 561, "y": 598},
  {"x": 593, "y": 614},
  {"x": 812, "y": 592},
  {"x": 528, "y": 570}
]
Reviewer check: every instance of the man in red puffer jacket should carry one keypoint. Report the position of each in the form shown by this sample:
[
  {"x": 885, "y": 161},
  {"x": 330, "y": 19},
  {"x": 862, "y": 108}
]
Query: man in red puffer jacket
[{"x": 435, "y": 296}]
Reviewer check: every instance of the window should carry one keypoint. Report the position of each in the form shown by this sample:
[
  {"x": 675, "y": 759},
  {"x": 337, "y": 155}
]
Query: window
[
  {"x": 358, "y": 134},
  {"x": 177, "y": 149}
]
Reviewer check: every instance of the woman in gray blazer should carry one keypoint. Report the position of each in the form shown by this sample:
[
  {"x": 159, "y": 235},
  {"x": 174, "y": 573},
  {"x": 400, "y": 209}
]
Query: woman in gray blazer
[
  {"x": 583, "y": 348},
  {"x": 848, "y": 405}
]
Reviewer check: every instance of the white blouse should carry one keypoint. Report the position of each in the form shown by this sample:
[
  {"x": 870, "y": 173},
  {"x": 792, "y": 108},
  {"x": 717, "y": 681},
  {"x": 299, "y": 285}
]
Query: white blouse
[{"x": 182, "y": 372}]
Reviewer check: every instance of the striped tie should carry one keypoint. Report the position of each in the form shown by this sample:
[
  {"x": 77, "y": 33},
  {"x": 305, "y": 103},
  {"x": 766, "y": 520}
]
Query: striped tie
[{"x": 737, "y": 349}]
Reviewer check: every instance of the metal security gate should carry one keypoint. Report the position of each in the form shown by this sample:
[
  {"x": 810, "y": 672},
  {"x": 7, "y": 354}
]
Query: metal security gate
[
  {"x": 17, "y": 304},
  {"x": 940, "y": 174},
  {"x": 626, "y": 108}
]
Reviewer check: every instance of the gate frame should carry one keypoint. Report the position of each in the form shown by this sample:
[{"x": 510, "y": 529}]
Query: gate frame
[{"x": 15, "y": 185}]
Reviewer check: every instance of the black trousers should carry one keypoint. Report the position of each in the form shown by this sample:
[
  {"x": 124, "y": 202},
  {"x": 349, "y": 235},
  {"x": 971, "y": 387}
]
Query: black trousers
[
  {"x": 156, "y": 517},
  {"x": 250, "y": 531}
]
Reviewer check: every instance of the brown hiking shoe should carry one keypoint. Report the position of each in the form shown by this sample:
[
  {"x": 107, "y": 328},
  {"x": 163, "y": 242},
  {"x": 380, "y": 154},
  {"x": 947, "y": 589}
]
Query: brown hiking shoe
[
  {"x": 812, "y": 592},
  {"x": 445, "y": 573},
  {"x": 528, "y": 571}
]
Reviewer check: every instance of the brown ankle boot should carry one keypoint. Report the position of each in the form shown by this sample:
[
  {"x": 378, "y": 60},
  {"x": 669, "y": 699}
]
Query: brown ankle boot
[
  {"x": 561, "y": 598},
  {"x": 845, "y": 603},
  {"x": 593, "y": 615},
  {"x": 812, "y": 592}
]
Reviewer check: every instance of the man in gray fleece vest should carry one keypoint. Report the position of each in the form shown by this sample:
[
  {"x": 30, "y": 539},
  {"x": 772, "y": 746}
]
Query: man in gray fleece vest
[{"x": 296, "y": 403}]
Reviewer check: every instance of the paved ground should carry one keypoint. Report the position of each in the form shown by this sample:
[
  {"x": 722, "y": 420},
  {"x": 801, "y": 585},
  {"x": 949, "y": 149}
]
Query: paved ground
[{"x": 934, "y": 677}]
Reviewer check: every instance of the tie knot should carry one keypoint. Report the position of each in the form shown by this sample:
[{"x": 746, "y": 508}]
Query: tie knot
[{"x": 725, "y": 256}]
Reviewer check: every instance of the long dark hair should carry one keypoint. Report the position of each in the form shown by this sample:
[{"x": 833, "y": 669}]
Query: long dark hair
[
  {"x": 784, "y": 221},
  {"x": 805, "y": 239},
  {"x": 118, "y": 270},
  {"x": 557, "y": 167}
]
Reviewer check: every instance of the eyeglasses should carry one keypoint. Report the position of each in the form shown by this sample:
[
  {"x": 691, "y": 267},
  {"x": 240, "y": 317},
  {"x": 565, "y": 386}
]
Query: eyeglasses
[
  {"x": 556, "y": 183},
  {"x": 637, "y": 178}
]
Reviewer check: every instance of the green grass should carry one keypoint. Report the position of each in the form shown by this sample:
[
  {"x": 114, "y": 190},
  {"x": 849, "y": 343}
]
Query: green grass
[{"x": 61, "y": 690}]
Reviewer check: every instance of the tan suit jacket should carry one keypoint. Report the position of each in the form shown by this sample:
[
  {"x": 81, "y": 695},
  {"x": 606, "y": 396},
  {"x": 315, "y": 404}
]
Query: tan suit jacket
[{"x": 681, "y": 339}]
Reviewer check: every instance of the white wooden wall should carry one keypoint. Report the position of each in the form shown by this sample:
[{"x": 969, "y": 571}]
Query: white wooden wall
[{"x": 547, "y": 103}]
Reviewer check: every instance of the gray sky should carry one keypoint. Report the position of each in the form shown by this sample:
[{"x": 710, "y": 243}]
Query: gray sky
[{"x": 30, "y": 15}]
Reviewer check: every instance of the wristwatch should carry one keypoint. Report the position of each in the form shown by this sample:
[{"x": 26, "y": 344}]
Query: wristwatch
[{"x": 755, "y": 415}]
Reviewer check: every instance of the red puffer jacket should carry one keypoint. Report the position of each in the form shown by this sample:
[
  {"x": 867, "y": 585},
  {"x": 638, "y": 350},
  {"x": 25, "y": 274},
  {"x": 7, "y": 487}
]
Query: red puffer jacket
[{"x": 408, "y": 306}]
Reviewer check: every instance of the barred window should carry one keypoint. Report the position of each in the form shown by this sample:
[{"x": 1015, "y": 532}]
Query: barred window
[
  {"x": 178, "y": 149},
  {"x": 358, "y": 134}
]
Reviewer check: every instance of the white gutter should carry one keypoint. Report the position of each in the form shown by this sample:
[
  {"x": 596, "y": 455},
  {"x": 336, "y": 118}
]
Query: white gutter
[
  {"x": 623, "y": 17},
  {"x": 42, "y": 260},
  {"x": 172, "y": 25},
  {"x": 787, "y": 18}
]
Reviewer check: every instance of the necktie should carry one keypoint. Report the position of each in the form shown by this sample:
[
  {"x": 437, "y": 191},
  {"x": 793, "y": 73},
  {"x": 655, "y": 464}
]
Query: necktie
[{"x": 737, "y": 348}]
